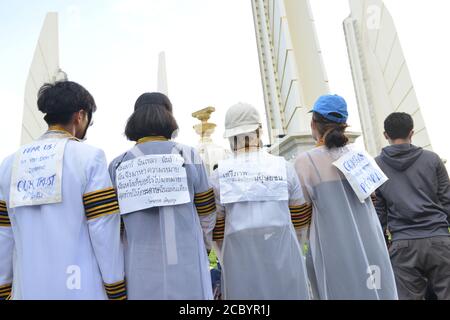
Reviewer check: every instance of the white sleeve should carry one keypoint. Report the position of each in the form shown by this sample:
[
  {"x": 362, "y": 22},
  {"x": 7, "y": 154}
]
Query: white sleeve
[
  {"x": 6, "y": 251},
  {"x": 219, "y": 228},
  {"x": 296, "y": 196},
  {"x": 205, "y": 204},
  {"x": 301, "y": 212},
  {"x": 103, "y": 217}
]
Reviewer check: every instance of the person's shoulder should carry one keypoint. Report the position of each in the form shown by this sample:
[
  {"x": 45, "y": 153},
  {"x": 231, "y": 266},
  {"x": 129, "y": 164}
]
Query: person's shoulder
[
  {"x": 431, "y": 157},
  {"x": 115, "y": 163},
  {"x": 83, "y": 147},
  {"x": 8, "y": 159},
  {"x": 119, "y": 158},
  {"x": 82, "y": 150},
  {"x": 214, "y": 177},
  {"x": 289, "y": 164},
  {"x": 184, "y": 147},
  {"x": 430, "y": 154},
  {"x": 7, "y": 163},
  {"x": 378, "y": 159},
  {"x": 302, "y": 156},
  {"x": 190, "y": 154}
]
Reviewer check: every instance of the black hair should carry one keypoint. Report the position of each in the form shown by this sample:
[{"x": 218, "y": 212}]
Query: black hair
[
  {"x": 333, "y": 133},
  {"x": 60, "y": 100},
  {"x": 152, "y": 117},
  {"x": 398, "y": 125}
]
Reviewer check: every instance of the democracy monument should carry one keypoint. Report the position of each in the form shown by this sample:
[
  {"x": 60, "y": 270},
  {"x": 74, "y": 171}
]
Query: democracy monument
[{"x": 292, "y": 73}]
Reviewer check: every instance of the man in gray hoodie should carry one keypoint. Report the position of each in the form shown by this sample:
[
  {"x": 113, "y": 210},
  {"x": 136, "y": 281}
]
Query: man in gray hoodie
[{"x": 414, "y": 206}]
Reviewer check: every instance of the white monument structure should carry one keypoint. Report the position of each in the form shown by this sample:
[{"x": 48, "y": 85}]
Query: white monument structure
[
  {"x": 292, "y": 71},
  {"x": 162, "y": 74},
  {"x": 44, "y": 68},
  {"x": 210, "y": 152},
  {"x": 293, "y": 74},
  {"x": 380, "y": 74}
]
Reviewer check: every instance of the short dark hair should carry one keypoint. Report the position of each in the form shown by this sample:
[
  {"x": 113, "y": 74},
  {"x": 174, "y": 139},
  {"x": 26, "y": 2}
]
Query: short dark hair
[
  {"x": 152, "y": 117},
  {"x": 332, "y": 132},
  {"x": 398, "y": 125},
  {"x": 60, "y": 100}
]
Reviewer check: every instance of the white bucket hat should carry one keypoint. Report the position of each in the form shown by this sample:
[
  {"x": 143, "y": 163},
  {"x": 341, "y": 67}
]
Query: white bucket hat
[{"x": 241, "y": 118}]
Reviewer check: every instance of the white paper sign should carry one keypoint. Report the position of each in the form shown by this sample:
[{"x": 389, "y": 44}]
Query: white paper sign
[
  {"x": 37, "y": 173},
  {"x": 362, "y": 172},
  {"x": 254, "y": 178},
  {"x": 151, "y": 181}
]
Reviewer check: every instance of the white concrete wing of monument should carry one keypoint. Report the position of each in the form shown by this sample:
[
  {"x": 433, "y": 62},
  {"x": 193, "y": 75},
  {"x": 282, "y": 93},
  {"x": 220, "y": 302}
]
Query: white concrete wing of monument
[
  {"x": 380, "y": 73},
  {"x": 291, "y": 63},
  {"x": 44, "y": 68},
  {"x": 292, "y": 70}
]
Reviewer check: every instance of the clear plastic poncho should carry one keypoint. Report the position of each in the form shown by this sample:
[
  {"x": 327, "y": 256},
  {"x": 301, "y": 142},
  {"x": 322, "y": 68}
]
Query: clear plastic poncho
[
  {"x": 347, "y": 250},
  {"x": 260, "y": 254},
  {"x": 166, "y": 247}
]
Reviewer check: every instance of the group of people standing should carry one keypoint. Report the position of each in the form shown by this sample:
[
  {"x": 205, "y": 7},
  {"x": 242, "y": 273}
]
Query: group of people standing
[{"x": 73, "y": 228}]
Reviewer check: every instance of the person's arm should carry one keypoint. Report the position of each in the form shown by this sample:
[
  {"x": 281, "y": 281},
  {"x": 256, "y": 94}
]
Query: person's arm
[
  {"x": 6, "y": 252},
  {"x": 204, "y": 200},
  {"x": 6, "y": 247},
  {"x": 373, "y": 197},
  {"x": 219, "y": 228},
  {"x": 443, "y": 187},
  {"x": 103, "y": 219},
  {"x": 300, "y": 209},
  {"x": 381, "y": 208},
  {"x": 112, "y": 174}
]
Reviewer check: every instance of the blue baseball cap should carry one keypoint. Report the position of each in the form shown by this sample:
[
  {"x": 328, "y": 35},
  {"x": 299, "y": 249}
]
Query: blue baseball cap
[{"x": 332, "y": 107}]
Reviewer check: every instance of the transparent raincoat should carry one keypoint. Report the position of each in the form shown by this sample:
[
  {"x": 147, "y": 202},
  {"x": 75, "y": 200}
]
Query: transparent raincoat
[
  {"x": 256, "y": 240},
  {"x": 347, "y": 253},
  {"x": 166, "y": 247}
]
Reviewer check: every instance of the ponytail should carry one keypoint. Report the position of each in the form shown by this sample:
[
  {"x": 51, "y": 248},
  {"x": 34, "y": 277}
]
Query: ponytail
[
  {"x": 333, "y": 133},
  {"x": 336, "y": 138}
]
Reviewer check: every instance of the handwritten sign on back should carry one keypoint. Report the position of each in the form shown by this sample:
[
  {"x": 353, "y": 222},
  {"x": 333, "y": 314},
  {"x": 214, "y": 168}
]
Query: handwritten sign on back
[
  {"x": 37, "y": 173},
  {"x": 362, "y": 172},
  {"x": 151, "y": 181},
  {"x": 257, "y": 177}
]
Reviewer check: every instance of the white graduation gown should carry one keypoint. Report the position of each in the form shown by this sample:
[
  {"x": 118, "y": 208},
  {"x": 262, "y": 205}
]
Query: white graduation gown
[{"x": 66, "y": 250}]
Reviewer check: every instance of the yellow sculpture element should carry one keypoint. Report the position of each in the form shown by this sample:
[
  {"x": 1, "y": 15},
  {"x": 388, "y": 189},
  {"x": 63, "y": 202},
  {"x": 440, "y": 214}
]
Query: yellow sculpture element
[
  {"x": 210, "y": 152},
  {"x": 204, "y": 129}
]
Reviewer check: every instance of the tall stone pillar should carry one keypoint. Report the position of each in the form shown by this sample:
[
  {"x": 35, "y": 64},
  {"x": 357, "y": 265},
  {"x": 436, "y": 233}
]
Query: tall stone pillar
[
  {"x": 380, "y": 73},
  {"x": 162, "y": 74},
  {"x": 292, "y": 71},
  {"x": 44, "y": 69}
]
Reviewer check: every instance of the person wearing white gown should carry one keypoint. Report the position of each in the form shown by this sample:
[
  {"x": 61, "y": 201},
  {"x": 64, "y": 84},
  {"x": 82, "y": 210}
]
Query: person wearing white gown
[
  {"x": 59, "y": 215},
  {"x": 259, "y": 208}
]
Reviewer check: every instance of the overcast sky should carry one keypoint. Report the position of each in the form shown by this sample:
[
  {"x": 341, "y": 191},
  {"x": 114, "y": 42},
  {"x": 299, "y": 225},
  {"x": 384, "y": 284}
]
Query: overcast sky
[{"x": 111, "y": 47}]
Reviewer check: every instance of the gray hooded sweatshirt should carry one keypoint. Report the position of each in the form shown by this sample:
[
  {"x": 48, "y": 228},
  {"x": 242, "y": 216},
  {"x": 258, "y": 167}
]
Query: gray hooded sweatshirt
[{"x": 415, "y": 202}]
